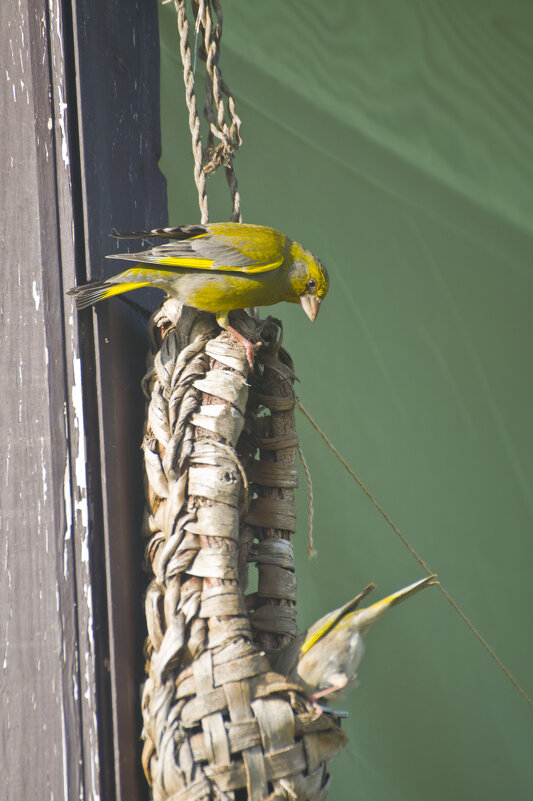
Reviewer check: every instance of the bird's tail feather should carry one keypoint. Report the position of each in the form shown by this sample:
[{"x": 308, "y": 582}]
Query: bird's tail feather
[
  {"x": 368, "y": 616},
  {"x": 179, "y": 232},
  {"x": 100, "y": 290},
  {"x": 405, "y": 592}
]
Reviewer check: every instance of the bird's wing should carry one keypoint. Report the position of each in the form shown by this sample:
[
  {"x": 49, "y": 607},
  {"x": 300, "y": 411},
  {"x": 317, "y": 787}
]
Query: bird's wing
[
  {"x": 229, "y": 247},
  {"x": 329, "y": 621}
]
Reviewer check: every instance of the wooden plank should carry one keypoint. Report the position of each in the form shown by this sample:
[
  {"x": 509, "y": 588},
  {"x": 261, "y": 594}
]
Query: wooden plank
[
  {"x": 117, "y": 74},
  {"x": 48, "y": 675},
  {"x": 72, "y": 412}
]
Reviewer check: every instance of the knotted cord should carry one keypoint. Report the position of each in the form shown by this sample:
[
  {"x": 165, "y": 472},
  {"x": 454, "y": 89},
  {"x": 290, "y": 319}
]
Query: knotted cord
[{"x": 219, "y": 107}]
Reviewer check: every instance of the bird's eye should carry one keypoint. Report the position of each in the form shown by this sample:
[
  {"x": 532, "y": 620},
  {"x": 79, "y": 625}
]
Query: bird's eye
[{"x": 311, "y": 284}]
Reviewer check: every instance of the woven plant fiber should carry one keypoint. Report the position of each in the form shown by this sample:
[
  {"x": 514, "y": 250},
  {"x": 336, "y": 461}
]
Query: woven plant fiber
[{"x": 220, "y": 449}]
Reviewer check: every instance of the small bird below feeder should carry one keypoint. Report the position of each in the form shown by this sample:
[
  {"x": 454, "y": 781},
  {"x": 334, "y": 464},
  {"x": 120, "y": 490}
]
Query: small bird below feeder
[
  {"x": 324, "y": 659},
  {"x": 220, "y": 267}
]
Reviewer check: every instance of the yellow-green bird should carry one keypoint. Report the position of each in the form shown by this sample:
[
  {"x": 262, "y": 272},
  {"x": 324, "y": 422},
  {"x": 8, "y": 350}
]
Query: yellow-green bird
[
  {"x": 324, "y": 659},
  {"x": 219, "y": 267}
]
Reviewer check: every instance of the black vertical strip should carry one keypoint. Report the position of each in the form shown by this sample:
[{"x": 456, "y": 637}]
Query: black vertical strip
[{"x": 86, "y": 342}]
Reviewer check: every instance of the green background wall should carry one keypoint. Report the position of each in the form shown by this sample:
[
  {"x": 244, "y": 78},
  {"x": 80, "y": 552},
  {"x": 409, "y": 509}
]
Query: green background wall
[{"x": 394, "y": 139}]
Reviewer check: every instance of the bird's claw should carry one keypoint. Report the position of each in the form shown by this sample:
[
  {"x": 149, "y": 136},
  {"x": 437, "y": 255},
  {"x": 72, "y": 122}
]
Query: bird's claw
[
  {"x": 317, "y": 707},
  {"x": 250, "y": 353}
]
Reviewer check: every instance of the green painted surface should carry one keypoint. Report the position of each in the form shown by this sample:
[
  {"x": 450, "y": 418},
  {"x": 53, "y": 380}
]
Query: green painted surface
[{"x": 394, "y": 140}]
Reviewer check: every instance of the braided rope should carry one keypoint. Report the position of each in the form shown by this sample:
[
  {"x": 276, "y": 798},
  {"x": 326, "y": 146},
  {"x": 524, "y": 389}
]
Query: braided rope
[
  {"x": 216, "y": 88},
  {"x": 190, "y": 99},
  {"x": 219, "y": 107}
]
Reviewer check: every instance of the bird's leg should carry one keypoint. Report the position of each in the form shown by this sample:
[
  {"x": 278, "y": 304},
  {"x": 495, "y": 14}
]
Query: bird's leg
[
  {"x": 249, "y": 347},
  {"x": 316, "y": 706},
  {"x": 223, "y": 321},
  {"x": 334, "y": 687}
]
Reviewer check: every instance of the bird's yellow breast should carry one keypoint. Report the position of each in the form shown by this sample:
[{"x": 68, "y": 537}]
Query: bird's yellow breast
[
  {"x": 216, "y": 292},
  {"x": 228, "y": 292}
]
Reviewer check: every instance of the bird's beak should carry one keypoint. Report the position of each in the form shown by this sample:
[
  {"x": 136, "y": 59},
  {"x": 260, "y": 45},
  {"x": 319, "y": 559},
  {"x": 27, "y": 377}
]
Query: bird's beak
[{"x": 311, "y": 306}]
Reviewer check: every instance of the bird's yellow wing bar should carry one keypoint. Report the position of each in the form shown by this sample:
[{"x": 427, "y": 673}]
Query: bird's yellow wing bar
[{"x": 328, "y": 622}]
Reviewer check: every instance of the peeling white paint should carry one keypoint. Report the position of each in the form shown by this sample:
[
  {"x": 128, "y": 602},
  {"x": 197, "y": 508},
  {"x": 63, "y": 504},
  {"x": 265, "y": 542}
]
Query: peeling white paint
[
  {"x": 55, "y": 19},
  {"x": 8, "y": 465},
  {"x": 45, "y": 496},
  {"x": 84, "y": 556},
  {"x": 76, "y": 509},
  {"x": 89, "y": 601},
  {"x": 67, "y": 536},
  {"x": 21, "y": 384},
  {"x": 36, "y": 295},
  {"x": 43, "y": 473},
  {"x": 8, "y": 617},
  {"x": 80, "y": 464},
  {"x": 95, "y": 765},
  {"x": 64, "y": 143},
  {"x": 75, "y": 685},
  {"x": 88, "y": 695}
]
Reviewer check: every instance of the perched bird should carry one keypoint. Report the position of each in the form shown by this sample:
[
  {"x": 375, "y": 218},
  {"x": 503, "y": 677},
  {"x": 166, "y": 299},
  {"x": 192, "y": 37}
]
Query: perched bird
[
  {"x": 219, "y": 267},
  {"x": 324, "y": 659}
]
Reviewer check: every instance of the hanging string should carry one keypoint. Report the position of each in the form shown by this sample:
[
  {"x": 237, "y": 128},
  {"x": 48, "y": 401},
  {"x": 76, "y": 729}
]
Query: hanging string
[
  {"x": 190, "y": 99},
  {"x": 224, "y": 124},
  {"x": 224, "y": 137},
  {"x": 311, "y": 551},
  {"x": 415, "y": 555}
]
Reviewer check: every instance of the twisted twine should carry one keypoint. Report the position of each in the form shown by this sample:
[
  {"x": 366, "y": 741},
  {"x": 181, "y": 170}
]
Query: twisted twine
[
  {"x": 190, "y": 99},
  {"x": 219, "y": 107}
]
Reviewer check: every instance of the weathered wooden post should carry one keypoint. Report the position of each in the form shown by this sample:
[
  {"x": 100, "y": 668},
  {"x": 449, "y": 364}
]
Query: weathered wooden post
[{"x": 80, "y": 142}]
